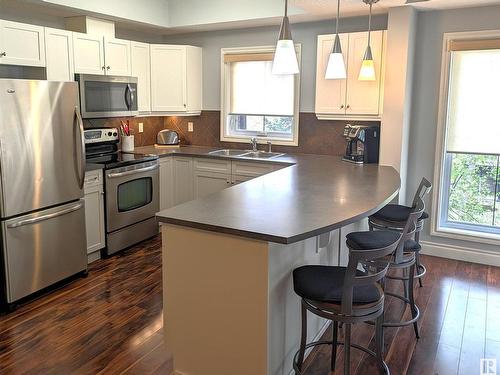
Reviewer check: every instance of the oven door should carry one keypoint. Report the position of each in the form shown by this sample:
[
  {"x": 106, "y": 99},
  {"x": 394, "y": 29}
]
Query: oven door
[
  {"x": 131, "y": 194},
  {"x": 107, "y": 96}
]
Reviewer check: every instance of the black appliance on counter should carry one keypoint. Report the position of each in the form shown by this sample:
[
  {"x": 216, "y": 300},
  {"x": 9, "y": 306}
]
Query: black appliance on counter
[
  {"x": 131, "y": 186},
  {"x": 363, "y": 143}
]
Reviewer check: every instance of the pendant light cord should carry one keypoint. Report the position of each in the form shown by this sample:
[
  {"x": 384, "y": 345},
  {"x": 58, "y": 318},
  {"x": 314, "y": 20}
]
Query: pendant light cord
[
  {"x": 338, "y": 13},
  {"x": 369, "y": 25}
]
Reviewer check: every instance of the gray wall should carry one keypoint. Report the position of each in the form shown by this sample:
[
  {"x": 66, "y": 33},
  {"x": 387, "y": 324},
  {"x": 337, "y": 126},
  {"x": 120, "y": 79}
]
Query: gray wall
[
  {"x": 430, "y": 29},
  {"x": 304, "y": 33}
]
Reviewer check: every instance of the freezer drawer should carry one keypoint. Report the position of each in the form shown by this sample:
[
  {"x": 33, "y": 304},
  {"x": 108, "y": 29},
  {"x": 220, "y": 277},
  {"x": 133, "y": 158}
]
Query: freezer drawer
[{"x": 42, "y": 248}]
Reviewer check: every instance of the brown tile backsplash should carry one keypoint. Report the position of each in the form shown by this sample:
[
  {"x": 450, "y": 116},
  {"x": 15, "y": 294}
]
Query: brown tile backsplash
[{"x": 315, "y": 136}]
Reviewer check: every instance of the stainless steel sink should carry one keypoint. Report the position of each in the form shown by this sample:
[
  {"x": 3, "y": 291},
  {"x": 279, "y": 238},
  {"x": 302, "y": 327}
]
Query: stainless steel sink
[
  {"x": 246, "y": 154},
  {"x": 227, "y": 152},
  {"x": 261, "y": 155}
]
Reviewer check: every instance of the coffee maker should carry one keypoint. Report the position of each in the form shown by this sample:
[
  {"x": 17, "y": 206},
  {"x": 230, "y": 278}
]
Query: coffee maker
[{"x": 363, "y": 142}]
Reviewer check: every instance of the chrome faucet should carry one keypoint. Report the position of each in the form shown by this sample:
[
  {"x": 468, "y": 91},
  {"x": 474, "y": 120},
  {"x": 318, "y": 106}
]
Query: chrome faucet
[{"x": 253, "y": 141}]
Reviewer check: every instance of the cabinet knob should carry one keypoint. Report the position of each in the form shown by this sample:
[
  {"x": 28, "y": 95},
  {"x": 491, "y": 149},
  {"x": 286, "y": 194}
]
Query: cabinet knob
[
  {"x": 3, "y": 54},
  {"x": 342, "y": 106},
  {"x": 103, "y": 67},
  {"x": 185, "y": 105},
  {"x": 348, "y": 106},
  {"x": 108, "y": 67}
]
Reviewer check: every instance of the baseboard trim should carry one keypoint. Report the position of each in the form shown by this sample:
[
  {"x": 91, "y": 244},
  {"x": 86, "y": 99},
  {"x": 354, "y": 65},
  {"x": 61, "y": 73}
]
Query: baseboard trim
[
  {"x": 486, "y": 257},
  {"x": 316, "y": 338}
]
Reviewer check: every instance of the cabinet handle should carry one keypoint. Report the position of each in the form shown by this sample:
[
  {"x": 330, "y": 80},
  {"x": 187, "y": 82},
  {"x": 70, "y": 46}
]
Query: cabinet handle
[
  {"x": 3, "y": 54},
  {"x": 103, "y": 67}
]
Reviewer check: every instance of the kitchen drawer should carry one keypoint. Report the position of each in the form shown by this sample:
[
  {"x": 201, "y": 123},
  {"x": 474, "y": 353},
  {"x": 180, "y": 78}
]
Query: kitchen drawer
[
  {"x": 212, "y": 165},
  {"x": 252, "y": 169},
  {"x": 93, "y": 178}
]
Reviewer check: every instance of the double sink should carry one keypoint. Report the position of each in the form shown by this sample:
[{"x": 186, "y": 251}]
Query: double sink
[{"x": 244, "y": 154}]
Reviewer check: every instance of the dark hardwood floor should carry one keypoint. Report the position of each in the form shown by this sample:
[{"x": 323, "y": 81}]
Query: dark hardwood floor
[{"x": 110, "y": 323}]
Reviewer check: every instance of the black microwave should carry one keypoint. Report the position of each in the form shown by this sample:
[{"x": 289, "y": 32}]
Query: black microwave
[{"x": 107, "y": 96}]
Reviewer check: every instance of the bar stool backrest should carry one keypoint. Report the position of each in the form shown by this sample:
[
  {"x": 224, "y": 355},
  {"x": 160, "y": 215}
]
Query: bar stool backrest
[
  {"x": 423, "y": 189},
  {"x": 409, "y": 229},
  {"x": 378, "y": 265}
]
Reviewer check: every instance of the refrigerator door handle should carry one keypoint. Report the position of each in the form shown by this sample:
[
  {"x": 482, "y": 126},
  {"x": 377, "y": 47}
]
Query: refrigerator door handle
[
  {"x": 81, "y": 161},
  {"x": 52, "y": 215}
]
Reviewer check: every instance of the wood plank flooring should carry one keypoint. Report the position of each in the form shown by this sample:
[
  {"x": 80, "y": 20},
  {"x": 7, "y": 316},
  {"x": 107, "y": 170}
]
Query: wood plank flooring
[{"x": 111, "y": 321}]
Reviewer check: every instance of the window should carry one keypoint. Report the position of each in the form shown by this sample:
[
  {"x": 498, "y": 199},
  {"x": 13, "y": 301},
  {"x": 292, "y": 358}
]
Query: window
[
  {"x": 255, "y": 102},
  {"x": 469, "y": 199}
]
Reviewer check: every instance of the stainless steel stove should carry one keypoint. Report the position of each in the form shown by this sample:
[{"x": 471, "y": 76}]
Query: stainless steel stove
[{"x": 131, "y": 189}]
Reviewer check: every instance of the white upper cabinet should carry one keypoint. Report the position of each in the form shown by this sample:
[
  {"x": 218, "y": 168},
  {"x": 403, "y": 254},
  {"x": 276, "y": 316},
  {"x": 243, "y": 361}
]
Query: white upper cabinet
[
  {"x": 364, "y": 97},
  {"x": 21, "y": 44},
  {"x": 117, "y": 57},
  {"x": 141, "y": 68},
  {"x": 59, "y": 54},
  {"x": 350, "y": 98},
  {"x": 88, "y": 54},
  {"x": 176, "y": 78}
]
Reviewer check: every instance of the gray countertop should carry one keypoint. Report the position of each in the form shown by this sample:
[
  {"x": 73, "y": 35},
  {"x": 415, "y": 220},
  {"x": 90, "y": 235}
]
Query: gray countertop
[{"x": 314, "y": 195}]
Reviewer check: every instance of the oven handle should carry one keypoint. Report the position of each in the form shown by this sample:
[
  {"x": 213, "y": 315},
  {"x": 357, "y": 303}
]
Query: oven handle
[
  {"x": 134, "y": 171},
  {"x": 128, "y": 97},
  {"x": 46, "y": 217}
]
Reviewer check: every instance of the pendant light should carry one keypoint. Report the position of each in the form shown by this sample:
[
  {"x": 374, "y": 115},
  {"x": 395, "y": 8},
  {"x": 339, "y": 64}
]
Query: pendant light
[
  {"x": 367, "y": 72},
  {"x": 285, "y": 58},
  {"x": 336, "y": 65}
]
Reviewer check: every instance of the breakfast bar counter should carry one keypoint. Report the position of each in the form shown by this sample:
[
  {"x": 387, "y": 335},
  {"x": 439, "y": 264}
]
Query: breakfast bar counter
[{"x": 229, "y": 306}]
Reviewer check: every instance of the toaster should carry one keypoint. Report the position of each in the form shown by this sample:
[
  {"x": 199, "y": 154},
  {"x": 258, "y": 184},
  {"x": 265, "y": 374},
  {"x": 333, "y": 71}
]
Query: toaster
[{"x": 167, "y": 138}]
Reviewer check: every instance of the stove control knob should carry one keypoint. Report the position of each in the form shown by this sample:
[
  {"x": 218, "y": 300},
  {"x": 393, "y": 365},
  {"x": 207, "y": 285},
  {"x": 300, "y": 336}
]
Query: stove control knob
[
  {"x": 115, "y": 134},
  {"x": 110, "y": 134}
]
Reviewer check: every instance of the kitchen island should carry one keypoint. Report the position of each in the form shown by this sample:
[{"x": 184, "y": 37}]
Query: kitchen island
[{"x": 229, "y": 305}]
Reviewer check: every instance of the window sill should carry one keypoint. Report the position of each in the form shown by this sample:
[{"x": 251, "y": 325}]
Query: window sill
[
  {"x": 466, "y": 235},
  {"x": 261, "y": 141}
]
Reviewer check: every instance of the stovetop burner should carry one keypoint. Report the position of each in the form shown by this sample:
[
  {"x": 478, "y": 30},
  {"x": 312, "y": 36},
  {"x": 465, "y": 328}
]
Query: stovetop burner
[{"x": 121, "y": 159}]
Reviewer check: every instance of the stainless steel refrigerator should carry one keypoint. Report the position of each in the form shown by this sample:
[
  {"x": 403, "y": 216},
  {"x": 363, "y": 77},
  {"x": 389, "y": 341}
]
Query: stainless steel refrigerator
[{"x": 42, "y": 171}]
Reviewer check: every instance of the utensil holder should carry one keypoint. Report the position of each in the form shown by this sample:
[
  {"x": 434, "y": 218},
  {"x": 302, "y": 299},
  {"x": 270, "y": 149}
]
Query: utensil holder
[{"x": 127, "y": 143}]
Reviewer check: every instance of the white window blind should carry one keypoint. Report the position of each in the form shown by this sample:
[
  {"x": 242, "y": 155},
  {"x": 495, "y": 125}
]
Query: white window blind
[
  {"x": 256, "y": 91},
  {"x": 473, "y": 118}
]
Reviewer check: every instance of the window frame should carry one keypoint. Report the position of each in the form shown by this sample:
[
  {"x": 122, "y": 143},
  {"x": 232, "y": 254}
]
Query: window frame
[
  {"x": 440, "y": 160},
  {"x": 225, "y": 97}
]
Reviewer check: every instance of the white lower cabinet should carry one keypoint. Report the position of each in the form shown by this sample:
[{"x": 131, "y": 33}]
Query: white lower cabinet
[
  {"x": 206, "y": 183},
  {"x": 94, "y": 213},
  {"x": 183, "y": 179},
  {"x": 166, "y": 183}
]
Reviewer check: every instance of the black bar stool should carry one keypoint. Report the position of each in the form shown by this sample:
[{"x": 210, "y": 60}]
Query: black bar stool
[
  {"x": 403, "y": 259},
  {"x": 394, "y": 216},
  {"x": 346, "y": 295}
]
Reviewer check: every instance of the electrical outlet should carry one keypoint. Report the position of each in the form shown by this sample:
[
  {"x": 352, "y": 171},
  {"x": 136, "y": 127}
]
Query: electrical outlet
[
  {"x": 141, "y": 127},
  {"x": 190, "y": 127}
]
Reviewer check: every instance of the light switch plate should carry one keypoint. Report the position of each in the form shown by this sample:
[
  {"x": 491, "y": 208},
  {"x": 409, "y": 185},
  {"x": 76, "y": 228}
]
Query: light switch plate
[
  {"x": 141, "y": 127},
  {"x": 190, "y": 127}
]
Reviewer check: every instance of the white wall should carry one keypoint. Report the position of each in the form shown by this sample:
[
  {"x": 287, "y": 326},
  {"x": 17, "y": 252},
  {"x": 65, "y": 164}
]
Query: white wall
[
  {"x": 430, "y": 29},
  {"x": 304, "y": 33}
]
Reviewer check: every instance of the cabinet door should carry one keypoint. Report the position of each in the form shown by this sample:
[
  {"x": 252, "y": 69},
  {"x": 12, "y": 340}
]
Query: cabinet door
[
  {"x": 166, "y": 183},
  {"x": 168, "y": 78},
  {"x": 94, "y": 218},
  {"x": 183, "y": 179},
  {"x": 141, "y": 68},
  {"x": 21, "y": 44},
  {"x": 88, "y": 52},
  {"x": 59, "y": 54},
  {"x": 251, "y": 169},
  {"x": 330, "y": 93},
  {"x": 194, "y": 79},
  {"x": 238, "y": 179},
  {"x": 117, "y": 57},
  {"x": 363, "y": 97},
  {"x": 206, "y": 183}
]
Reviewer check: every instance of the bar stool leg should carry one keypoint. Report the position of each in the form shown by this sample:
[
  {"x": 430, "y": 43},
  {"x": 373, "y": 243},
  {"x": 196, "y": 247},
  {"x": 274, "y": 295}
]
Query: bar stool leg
[
  {"x": 417, "y": 256},
  {"x": 334, "y": 344},
  {"x": 347, "y": 348},
  {"x": 412, "y": 300},
  {"x": 406, "y": 282},
  {"x": 303, "y": 337},
  {"x": 379, "y": 342}
]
